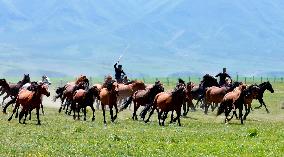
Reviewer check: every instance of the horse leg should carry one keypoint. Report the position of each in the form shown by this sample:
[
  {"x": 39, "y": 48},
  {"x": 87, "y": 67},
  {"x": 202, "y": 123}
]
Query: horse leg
[
  {"x": 178, "y": 116},
  {"x": 241, "y": 113},
  {"x": 42, "y": 108},
  {"x": 150, "y": 114},
  {"x": 104, "y": 113},
  {"x": 184, "y": 106},
  {"x": 134, "y": 116},
  {"x": 262, "y": 102},
  {"x": 93, "y": 109},
  {"x": 164, "y": 118},
  {"x": 159, "y": 116},
  {"x": 111, "y": 112},
  {"x": 78, "y": 108},
  {"x": 30, "y": 113},
  {"x": 85, "y": 113},
  {"x": 247, "y": 109},
  {"x": 74, "y": 111},
  {"x": 172, "y": 117},
  {"x": 116, "y": 111},
  {"x": 14, "y": 110},
  {"x": 37, "y": 115}
]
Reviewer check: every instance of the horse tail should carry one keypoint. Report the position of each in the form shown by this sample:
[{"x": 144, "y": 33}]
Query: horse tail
[
  {"x": 221, "y": 108},
  {"x": 147, "y": 108},
  {"x": 126, "y": 104}
]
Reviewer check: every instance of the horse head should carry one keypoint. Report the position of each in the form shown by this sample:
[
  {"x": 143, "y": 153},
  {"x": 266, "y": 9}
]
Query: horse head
[
  {"x": 269, "y": 87},
  {"x": 209, "y": 81},
  {"x": 26, "y": 79},
  {"x": 43, "y": 89}
]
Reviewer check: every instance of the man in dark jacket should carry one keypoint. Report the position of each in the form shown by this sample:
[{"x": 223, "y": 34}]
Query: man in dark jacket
[
  {"x": 118, "y": 72},
  {"x": 223, "y": 76}
]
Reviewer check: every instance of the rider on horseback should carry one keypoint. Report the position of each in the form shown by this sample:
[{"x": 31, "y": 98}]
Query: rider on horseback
[
  {"x": 223, "y": 76},
  {"x": 119, "y": 72}
]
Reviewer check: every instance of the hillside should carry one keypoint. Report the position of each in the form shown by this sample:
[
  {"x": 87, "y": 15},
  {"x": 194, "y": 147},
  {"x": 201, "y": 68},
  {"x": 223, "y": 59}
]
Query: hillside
[{"x": 165, "y": 37}]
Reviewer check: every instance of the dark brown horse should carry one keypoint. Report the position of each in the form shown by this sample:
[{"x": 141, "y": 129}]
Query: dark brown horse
[
  {"x": 251, "y": 93},
  {"x": 143, "y": 98},
  {"x": 82, "y": 99},
  {"x": 12, "y": 90},
  {"x": 168, "y": 101},
  {"x": 262, "y": 88},
  {"x": 30, "y": 100}
]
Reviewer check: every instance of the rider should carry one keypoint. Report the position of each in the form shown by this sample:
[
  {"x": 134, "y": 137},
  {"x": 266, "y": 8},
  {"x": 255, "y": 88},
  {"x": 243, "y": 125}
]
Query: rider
[
  {"x": 223, "y": 77},
  {"x": 118, "y": 72}
]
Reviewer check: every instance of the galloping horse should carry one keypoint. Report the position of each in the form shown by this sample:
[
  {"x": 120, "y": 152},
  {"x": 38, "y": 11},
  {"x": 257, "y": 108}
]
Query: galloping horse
[
  {"x": 262, "y": 87},
  {"x": 198, "y": 92},
  {"x": 216, "y": 94},
  {"x": 231, "y": 101},
  {"x": 251, "y": 93},
  {"x": 30, "y": 100},
  {"x": 108, "y": 96},
  {"x": 168, "y": 101},
  {"x": 82, "y": 99},
  {"x": 67, "y": 94},
  {"x": 127, "y": 90},
  {"x": 143, "y": 97},
  {"x": 12, "y": 90}
]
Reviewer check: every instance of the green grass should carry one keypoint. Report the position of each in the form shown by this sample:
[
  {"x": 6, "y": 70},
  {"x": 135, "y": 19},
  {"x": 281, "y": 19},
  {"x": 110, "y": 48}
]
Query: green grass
[{"x": 200, "y": 135}]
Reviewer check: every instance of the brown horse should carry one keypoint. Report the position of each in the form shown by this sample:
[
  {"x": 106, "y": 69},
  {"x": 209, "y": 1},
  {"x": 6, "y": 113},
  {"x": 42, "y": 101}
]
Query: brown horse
[
  {"x": 165, "y": 102},
  {"x": 67, "y": 94},
  {"x": 30, "y": 100},
  {"x": 216, "y": 94},
  {"x": 108, "y": 96},
  {"x": 143, "y": 98},
  {"x": 189, "y": 98},
  {"x": 251, "y": 93},
  {"x": 127, "y": 90},
  {"x": 231, "y": 101},
  {"x": 82, "y": 99}
]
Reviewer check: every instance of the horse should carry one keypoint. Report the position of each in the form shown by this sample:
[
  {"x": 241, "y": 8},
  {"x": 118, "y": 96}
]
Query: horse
[
  {"x": 216, "y": 94},
  {"x": 12, "y": 90},
  {"x": 189, "y": 98},
  {"x": 251, "y": 93},
  {"x": 262, "y": 87},
  {"x": 67, "y": 94},
  {"x": 168, "y": 101},
  {"x": 127, "y": 90},
  {"x": 198, "y": 92},
  {"x": 30, "y": 100},
  {"x": 231, "y": 101},
  {"x": 82, "y": 99},
  {"x": 143, "y": 97},
  {"x": 108, "y": 96}
]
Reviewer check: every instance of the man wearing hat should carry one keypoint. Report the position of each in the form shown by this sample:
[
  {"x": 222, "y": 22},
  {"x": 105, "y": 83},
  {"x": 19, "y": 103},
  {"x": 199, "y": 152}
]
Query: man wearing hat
[
  {"x": 223, "y": 76},
  {"x": 118, "y": 72}
]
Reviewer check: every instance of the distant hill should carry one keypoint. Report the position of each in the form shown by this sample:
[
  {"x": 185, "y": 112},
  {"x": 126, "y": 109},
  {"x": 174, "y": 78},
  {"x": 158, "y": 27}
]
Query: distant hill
[{"x": 69, "y": 37}]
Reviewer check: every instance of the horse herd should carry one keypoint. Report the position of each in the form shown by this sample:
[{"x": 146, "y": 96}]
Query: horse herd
[{"x": 78, "y": 95}]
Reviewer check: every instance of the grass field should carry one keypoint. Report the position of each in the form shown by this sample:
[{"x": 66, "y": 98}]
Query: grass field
[{"x": 200, "y": 135}]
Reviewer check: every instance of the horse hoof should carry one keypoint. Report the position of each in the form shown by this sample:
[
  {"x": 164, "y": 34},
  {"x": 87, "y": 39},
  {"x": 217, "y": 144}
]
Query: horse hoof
[
  {"x": 146, "y": 121},
  {"x": 85, "y": 119},
  {"x": 93, "y": 119},
  {"x": 9, "y": 119}
]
